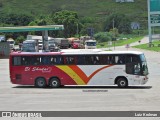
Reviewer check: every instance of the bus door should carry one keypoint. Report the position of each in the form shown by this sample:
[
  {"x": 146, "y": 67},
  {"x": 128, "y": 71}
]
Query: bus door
[{"x": 133, "y": 67}]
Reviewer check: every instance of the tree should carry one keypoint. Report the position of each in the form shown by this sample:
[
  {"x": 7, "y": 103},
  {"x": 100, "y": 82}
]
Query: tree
[
  {"x": 114, "y": 32},
  {"x": 91, "y": 22},
  {"x": 16, "y": 19},
  {"x": 103, "y": 36},
  {"x": 119, "y": 21},
  {"x": 20, "y": 39},
  {"x": 70, "y": 21}
]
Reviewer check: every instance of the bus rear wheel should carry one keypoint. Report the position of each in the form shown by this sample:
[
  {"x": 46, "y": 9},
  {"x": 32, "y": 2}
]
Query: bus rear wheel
[
  {"x": 54, "y": 83},
  {"x": 122, "y": 82},
  {"x": 40, "y": 82}
]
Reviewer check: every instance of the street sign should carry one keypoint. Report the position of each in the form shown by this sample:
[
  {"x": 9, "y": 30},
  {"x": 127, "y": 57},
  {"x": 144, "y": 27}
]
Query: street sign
[
  {"x": 155, "y": 18},
  {"x": 154, "y": 12},
  {"x": 154, "y": 5}
]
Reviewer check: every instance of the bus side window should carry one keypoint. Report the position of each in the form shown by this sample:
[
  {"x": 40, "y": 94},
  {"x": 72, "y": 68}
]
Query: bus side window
[
  {"x": 131, "y": 58},
  {"x": 111, "y": 59},
  {"x": 36, "y": 60},
  {"x": 135, "y": 59},
  {"x": 120, "y": 59},
  {"x": 46, "y": 60},
  {"x": 53, "y": 60},
  {"x": 25, "y": 60},
  {"x": 59, "y": 60},
  {"x": 69, "y": 59},
  {"x": 89, "y": 60},
  {"x": 81, "y": 60},
  {"x": 96, "y": 60}
]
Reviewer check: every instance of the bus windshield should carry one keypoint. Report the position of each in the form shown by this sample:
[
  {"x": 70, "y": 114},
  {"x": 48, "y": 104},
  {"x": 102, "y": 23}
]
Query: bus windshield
[
  {"x": 136, "y": 65},
  {"x": 11, "y": 42},
  {"x": 91, "y": 43},
  {"x": 29, "y": 46},
  {"x": 144, "y": 65}
]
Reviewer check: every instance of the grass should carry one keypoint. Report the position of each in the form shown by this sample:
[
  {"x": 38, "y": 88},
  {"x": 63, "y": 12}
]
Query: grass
[
  {"x": 119, "y": 42},
  {"x": 146, "y": 46}
]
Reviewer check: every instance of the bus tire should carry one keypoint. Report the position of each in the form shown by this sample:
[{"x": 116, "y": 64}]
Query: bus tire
[
  {"x": 122, "y": 83},
  {"x": 40, "y": 82},
  {"x": 54, "y": 82}
]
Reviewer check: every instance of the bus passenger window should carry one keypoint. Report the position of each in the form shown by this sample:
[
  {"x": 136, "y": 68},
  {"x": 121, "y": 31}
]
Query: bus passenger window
[
  {"x": 80, "y": 60},
  {"x": 36, "y": 60},
  {"x": 59, "y": 60},
  {"x": 96, "y": 60},
  {"x": 121, "y": 59},
  {"x": 69, "y": 60},
  {"x": 46, "y": 60},
  {"x": 111, "y": 60},
  {"x": 25, "y": 60},
  {"x": 89, "y": 60},
  {"x": 131, "y": 58},
  {"x": 134, "y": 59},
  {"x": 53, "y": 60}
]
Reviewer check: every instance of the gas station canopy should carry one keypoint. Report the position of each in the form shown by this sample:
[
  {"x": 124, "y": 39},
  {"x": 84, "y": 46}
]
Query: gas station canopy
[{"x": 31, "y": 28}]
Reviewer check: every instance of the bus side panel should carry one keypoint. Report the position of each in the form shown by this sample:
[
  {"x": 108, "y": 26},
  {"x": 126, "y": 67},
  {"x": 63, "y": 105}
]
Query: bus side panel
[
  {"x": 27, "y": 75},
  {"x": 103, "y": 74},
  {"x": 98, "y": 74},
  {"x": 16, "y": 75}
]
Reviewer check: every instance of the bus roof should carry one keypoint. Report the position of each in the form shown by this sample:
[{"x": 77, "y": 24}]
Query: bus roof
[
  {"x": 77, "y": 52},
  {"x": 29, "y": 41},
  {"x": 90, "y": 41}
]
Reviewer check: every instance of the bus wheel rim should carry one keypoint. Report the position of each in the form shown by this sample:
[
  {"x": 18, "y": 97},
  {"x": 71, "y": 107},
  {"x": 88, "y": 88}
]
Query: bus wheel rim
[
  {"x": 122, "y": 83},
  {"x": 54, "y": 83},
  {"x": 41, "y": 83}
]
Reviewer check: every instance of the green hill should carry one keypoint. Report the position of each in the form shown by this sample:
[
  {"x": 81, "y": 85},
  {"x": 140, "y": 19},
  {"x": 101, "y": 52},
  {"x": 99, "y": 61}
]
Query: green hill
[{"x": 95, "y": 8}]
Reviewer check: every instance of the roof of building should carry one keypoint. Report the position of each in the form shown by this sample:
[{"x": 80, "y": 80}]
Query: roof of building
[{"x": 31, "y": 28}]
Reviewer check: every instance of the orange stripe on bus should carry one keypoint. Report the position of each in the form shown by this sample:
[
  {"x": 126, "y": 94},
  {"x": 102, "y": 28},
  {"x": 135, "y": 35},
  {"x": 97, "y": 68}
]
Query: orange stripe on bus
[
  {"x": 80, "y": 73},
  {"x": 95, "y": 72}
]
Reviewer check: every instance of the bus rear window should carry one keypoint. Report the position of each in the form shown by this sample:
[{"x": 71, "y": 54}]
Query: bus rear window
[{"x": 16, "y": 61}]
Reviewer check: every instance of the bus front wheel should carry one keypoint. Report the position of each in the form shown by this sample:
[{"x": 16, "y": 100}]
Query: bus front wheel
[
  {"x": 54, "y": 83},
  {"x": 122, "y": 82},
  {"x": 40, "y": 82}
]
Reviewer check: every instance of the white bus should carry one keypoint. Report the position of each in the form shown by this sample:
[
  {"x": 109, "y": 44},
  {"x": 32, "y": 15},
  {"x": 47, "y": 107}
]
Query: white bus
[
  {"x": 76, "y": 67},
  {"x": 90, "y": 44}
]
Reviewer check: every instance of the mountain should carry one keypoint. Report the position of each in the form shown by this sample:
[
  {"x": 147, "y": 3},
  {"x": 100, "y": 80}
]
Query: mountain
[{"x": 93, "y": 8}]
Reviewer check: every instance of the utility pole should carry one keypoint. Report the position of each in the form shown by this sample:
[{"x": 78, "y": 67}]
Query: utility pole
[
  {"x": 149, "y": 24},
  {"x": 113, "y": 23}
]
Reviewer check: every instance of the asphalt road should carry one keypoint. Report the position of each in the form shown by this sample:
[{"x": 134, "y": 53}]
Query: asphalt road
[{"x": 106, "y": 98}]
